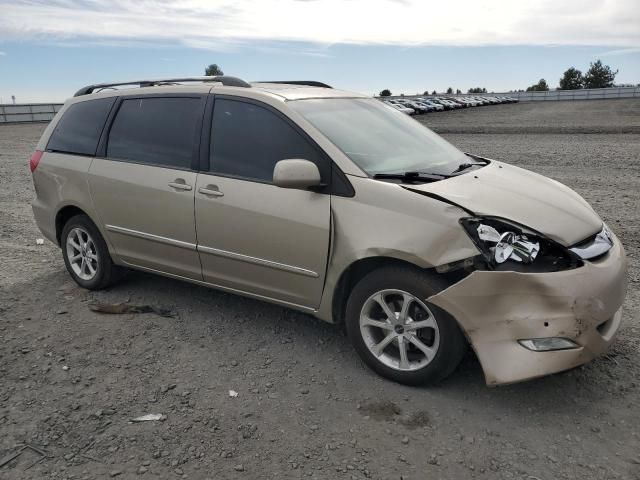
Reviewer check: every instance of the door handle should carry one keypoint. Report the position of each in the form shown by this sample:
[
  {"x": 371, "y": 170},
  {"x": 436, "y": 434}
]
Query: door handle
[
  {"x": 180, "y": 184},
  {"x": 211, "y": 190}
]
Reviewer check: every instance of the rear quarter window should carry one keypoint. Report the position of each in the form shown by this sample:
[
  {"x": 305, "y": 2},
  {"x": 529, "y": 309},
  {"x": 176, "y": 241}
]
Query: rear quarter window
[{"x": 79, "y": 129}]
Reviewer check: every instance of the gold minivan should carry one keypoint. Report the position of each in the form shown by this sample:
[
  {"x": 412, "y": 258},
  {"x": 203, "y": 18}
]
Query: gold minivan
[{"x": 334, "y": 204}]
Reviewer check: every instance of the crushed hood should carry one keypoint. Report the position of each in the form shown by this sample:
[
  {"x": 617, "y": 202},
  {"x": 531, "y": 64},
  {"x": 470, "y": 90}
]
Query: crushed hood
[{"x": 522, "y": 196}]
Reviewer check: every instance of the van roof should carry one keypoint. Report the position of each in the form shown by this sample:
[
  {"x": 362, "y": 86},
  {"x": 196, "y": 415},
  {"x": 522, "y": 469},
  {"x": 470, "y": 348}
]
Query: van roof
[
  {"x": 299, "y": 92},
  {"x": 286, "y": 90}
]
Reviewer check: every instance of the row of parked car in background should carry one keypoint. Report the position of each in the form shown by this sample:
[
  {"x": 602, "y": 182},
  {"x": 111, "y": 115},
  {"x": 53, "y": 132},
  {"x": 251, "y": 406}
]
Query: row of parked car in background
[{"x": 420, "y": 105}]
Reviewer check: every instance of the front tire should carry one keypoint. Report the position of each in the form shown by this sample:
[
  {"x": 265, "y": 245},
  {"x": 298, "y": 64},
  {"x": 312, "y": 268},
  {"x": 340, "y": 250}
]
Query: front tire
[
  {"x": 86, "y": 255},
  {"x": 397, "y": 333}
]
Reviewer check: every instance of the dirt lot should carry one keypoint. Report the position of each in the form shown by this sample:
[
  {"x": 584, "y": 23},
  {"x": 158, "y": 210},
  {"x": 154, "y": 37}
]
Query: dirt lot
[
  {"x": 71, "y": 379},
  {"x": 606, "y": 116}
]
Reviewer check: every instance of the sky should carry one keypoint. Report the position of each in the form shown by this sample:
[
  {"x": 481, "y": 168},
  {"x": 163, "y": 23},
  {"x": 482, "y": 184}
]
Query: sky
[{"x": 50, "y": 48}]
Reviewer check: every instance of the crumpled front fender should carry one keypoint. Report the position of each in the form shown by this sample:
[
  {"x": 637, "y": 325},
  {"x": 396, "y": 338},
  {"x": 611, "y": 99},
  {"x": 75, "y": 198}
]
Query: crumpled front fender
[{"x": 496, "y": 309}]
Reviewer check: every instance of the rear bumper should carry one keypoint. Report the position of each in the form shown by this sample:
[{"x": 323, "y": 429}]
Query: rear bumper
[
  {"x": 43, "y": 217},
  {"x": 496, "y": 309}
]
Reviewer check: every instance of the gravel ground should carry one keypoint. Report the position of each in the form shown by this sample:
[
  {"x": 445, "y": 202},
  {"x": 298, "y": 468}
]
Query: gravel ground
[
  {"x": 596, "y": 116},
  {"x": 71, "y": 379}
]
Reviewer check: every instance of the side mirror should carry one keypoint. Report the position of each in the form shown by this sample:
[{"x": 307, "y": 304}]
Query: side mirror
[{"x": 296, "y": 173}]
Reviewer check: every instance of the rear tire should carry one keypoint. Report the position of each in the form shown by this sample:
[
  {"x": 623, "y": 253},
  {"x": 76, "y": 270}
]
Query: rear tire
[
  {"x": 432, "y": 341},
  {"x": 86, "y": 255}
]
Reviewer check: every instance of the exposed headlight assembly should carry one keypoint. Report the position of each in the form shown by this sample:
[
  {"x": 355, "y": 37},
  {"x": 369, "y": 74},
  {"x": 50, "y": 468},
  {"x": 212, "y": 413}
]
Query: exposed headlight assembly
[{"x": 506, "y": 245}]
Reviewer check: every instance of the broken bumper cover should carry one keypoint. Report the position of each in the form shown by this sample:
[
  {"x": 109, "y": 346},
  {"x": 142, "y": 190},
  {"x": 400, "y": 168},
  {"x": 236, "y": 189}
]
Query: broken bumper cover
[{"x": 496, "y": 309}]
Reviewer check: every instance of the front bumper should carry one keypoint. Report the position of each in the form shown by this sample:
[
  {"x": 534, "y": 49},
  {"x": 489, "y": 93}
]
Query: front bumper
[{"x": 496, "y": 309}]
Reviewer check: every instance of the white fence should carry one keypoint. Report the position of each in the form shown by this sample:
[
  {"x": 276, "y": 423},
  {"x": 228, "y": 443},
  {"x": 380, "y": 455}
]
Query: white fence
[
  {"x": 28, "y": 112},
  {"x": 582, "y": 94}
]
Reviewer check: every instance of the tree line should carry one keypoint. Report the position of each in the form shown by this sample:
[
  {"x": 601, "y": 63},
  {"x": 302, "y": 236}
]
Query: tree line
[{"x": 597, "y": 76}]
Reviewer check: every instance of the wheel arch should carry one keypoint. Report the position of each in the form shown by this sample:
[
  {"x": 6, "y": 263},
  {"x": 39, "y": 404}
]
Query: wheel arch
[
  {"x": 351, "y": 275},
  {"x": 64, "y": 214},
  {"x": 355, "y": 271}
]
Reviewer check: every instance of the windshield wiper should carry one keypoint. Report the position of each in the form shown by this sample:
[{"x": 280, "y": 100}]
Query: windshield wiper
[
  {"x": 464, "y": 166},
  {"x": 412, "y": 176},
  {"x": 480, "y": 162}
]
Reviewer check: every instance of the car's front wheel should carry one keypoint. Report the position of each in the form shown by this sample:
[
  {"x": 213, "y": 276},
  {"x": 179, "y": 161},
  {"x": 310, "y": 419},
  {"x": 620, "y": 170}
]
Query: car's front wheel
[
  {"x": 86, "y": 255},
  {"x": 397, "y": 333}
]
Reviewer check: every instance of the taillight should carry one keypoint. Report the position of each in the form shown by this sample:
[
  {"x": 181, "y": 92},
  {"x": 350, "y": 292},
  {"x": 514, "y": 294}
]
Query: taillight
[{"x": 35, "y": 160}]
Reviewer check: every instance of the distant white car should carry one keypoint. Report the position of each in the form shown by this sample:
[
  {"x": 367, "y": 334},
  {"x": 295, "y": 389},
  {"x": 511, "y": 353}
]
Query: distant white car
[
  {"x": 481, "y": 101},
  {"x": 467, "y": 101},
  {"x": 424, "y": 106},
  {"x": 448, "y": 104},
  {"x": 399, "y": 106},
  {"x": 435, "y": 106},
  {"x": 413, "y": 104},
  {"x": 492, "y": 100}
]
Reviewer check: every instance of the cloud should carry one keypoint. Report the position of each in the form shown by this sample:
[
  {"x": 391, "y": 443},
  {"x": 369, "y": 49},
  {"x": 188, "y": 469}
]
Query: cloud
[
  {"x": 227, "y": 24},
  {"x": 621, "y": 51},
  {"x": 3, "y": 54}
]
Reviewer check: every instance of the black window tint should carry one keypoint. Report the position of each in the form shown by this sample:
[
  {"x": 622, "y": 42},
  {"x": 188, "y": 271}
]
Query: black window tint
[
  {"x": 248, "y": 140},
  {"x": 155, "y": 130},
  {"x": 79, "y": 129}
]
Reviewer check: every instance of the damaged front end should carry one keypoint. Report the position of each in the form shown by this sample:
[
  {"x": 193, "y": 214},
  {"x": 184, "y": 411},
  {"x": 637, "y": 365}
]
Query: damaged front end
[{"x": 531, "y": 306}]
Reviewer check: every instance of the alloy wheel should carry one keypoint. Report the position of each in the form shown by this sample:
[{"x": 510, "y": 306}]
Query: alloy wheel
[
  {"x": 82, "y": 253},
  {"x": 399, "y": 330}
]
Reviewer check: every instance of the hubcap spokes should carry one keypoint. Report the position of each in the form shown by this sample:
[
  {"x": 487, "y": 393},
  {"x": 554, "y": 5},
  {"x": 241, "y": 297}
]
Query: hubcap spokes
[
  {"x": 82, "y": 253},
  {"x": 399, "y": 329}
]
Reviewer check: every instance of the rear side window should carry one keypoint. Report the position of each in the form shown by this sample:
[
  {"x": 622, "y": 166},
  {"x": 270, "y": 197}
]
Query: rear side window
[
  {"x": 79, "y": 129},
  {"x": 155, "y": 130},
  {"x": 248, "y": 140}
]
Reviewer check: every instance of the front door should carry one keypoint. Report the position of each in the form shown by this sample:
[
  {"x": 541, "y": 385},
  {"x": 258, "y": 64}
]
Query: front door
[
  {"x": 253, "y": 236},
  {"x": 143, "y": 189}
]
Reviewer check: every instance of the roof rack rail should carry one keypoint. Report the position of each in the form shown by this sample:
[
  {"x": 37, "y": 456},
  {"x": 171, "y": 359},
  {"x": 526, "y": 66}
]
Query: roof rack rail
[
  {"x": 309, "y": 83},
  {"x": 226, "y": 80}
]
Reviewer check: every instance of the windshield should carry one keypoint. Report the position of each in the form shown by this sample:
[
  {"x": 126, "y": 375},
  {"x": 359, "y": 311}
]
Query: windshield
[{"x": 379, "y": 139}]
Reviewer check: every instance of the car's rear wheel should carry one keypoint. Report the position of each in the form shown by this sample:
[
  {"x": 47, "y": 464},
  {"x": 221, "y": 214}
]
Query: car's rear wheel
[
  {"x": 397, "y": 332},
  {"x": 86, "y": 255}
]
